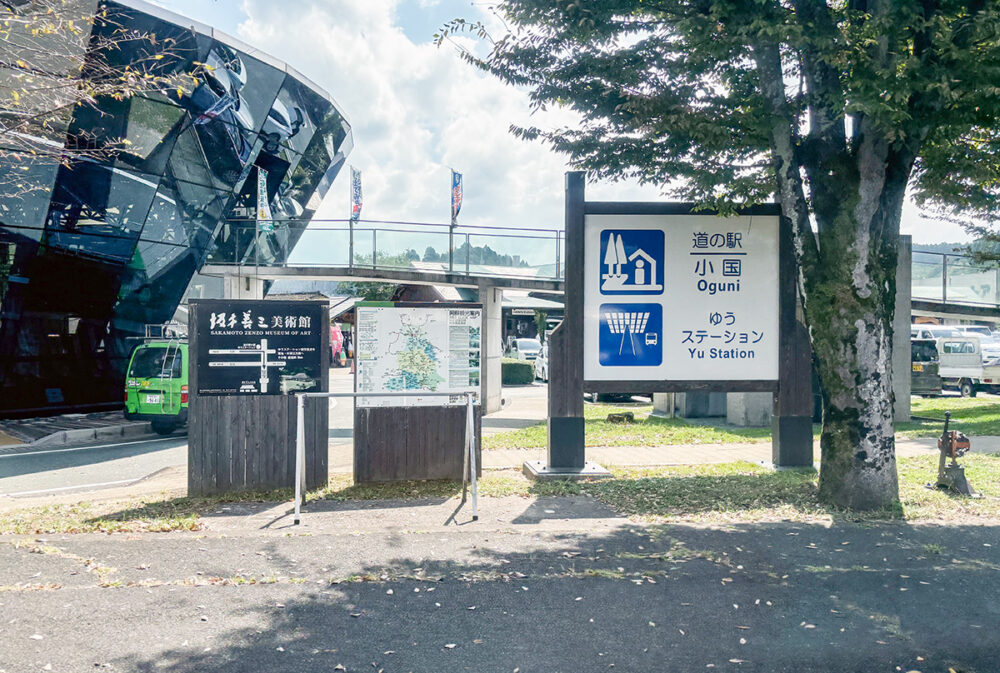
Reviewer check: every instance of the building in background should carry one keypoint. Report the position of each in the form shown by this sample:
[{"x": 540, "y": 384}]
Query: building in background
[{"x": 97, "y": 249}]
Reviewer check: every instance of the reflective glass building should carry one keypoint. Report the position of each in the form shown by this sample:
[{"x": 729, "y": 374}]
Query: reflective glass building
[{"x": 93, "y": 249}]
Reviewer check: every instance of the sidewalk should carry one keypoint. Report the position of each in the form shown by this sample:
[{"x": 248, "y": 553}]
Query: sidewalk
[
  {"x": 537, "y": 584},
  {"x": 51, "y": 431}
]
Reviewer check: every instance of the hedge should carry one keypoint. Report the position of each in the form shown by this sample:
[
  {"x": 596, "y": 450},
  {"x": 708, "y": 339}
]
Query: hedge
[{"x": 516, "y": 372}]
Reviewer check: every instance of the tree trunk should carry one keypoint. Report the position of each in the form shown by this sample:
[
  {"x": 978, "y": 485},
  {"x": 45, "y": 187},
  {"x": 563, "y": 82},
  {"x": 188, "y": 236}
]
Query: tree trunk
[{"x": 850, "y": 303}]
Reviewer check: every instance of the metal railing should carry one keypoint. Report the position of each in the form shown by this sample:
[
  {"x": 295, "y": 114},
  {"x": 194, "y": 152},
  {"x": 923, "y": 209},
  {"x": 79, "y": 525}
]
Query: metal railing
[
  {"x": 463, "y": 250},
  {"x": 469, "y": 463},
  {"x": 954, "y": 279}
]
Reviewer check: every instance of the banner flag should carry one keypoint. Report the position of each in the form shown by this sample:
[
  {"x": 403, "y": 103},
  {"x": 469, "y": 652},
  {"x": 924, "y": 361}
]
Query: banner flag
[
  {"x": 264, "y": 222},
  {"x": 456, "y": 195},
  {"x": 355, "y": 194}
]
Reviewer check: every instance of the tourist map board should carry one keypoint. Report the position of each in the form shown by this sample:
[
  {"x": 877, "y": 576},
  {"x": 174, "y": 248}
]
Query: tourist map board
[{"x": 409, "y": 347}]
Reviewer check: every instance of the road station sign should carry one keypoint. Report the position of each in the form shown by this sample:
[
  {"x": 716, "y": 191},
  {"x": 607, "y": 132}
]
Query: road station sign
[{"x": 681, "y": 297}]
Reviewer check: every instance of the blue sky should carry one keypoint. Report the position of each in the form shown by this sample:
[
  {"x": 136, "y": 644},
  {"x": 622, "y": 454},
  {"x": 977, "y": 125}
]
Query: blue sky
[{"x": 418, "y": 110}]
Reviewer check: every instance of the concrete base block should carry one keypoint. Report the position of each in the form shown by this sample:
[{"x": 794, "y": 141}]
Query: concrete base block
[
  {"x": 749, "y": 410},
  {"x": 538, "y": 470},
  {"x": 701, "y": 405}
]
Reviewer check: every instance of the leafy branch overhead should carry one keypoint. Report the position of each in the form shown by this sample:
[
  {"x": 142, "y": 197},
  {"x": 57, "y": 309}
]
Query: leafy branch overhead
[{"x": 672, "y": 93}]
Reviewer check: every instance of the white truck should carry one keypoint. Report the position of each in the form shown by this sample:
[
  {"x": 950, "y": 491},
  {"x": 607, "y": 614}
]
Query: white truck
[{"x": 961, "y": 364}]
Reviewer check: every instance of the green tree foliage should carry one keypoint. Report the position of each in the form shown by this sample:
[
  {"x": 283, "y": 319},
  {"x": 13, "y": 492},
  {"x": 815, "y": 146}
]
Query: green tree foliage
[{"x": 833, "y": 108}]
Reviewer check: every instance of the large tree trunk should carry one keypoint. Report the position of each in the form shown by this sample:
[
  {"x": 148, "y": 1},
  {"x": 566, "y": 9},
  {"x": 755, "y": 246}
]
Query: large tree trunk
[{"x": 850, "y": 302}]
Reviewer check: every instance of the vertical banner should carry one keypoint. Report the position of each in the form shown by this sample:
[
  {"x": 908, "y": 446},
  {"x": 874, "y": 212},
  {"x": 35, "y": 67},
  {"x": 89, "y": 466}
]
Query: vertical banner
[
  {"x": 456, "y": 196},
  {"x": 264, "y": 222},
  {"x": 355, "y": 194}
]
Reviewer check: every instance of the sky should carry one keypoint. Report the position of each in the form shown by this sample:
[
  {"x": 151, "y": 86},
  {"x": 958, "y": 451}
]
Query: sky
[{"x": 417, "y": 111}]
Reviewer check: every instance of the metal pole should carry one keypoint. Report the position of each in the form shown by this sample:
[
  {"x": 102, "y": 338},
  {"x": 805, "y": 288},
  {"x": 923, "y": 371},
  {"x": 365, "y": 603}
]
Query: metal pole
[
  {"x": 350, "y": 246},
  {"x": 470, "y": 425},
  {"x": 558, "y": 274},
  {"x": 300, "y": 455},
  {"x": 944, "y": 279},
  {"x": 451, "y": 247},
  {"x": 465, "y": 461},
  {"x": 374, "y": 253},
  {"x": 468, "y": 252}
]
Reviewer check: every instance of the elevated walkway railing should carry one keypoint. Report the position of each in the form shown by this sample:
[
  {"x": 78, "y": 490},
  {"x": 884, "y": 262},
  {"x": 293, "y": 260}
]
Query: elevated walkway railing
[
  {"x": 506, "y": 252},
  {"x": 394, "y": 246},
  {"x": 954, "y": 279}
]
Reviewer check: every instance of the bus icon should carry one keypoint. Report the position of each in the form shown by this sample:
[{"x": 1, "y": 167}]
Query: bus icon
[{"x": 650, "y": 338}]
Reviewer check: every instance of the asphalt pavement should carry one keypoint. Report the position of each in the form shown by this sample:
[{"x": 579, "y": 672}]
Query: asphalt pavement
[{"x": 547, "y": 584}]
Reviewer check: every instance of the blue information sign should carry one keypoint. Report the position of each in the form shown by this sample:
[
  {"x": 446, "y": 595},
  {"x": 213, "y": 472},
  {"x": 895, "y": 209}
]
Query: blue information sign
[
  {"x": 632, "y": 261},
  {"x": 631, "y": 335}
]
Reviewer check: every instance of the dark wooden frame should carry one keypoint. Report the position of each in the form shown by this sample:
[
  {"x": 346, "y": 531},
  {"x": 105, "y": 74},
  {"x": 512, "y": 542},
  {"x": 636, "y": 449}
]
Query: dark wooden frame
[
  {"x": 410, "y": 443},
  {"x": 792, "y": 425},
  {"x": 247, "y": 442}
]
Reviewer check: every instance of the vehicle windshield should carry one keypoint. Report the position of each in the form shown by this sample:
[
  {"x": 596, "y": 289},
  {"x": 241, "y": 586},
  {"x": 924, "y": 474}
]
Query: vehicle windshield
[
  {"x": 923, "y": 351},
  {"x": 147, "y": 363},
  {"x": 529, "y": 345}
]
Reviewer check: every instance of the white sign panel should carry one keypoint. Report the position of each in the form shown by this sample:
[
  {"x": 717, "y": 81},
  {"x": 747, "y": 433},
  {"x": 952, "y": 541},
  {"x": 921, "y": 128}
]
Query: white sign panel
[
  {"x": 680, "y": 298},
  {"x": 417, "y": 349}
]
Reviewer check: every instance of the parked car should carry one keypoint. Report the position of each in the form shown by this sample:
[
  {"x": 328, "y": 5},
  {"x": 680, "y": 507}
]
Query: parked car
[
  {"x": 542, "y": 363},
  {"x": 933, "y": 331},
  {"x": 961, "y": 363},
  {"x": 156, "y": 387},
  {"x": 925, "y": 377},
  {"x": 981, "y": 331},
  {"x": 524, "y": 349}
]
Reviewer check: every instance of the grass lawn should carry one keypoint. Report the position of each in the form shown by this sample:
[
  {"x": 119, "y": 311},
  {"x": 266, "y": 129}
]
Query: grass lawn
[
  {"x": 646, "y": 431},
  {"x": 731, "y": 492},
  {"x": 974, "y": 416}
]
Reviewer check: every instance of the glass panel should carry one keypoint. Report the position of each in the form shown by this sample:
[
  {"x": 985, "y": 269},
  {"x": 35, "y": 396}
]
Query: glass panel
[
  {"x": 926, "y": 279},
  {"x": 98, "y": 211}
]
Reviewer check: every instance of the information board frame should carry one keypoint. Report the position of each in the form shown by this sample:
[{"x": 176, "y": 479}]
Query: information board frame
[{"x": 458, "y": 397}]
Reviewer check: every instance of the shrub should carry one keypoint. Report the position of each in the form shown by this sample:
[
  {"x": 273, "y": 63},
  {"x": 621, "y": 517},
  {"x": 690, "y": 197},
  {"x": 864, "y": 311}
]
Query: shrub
[{"x": 516, "y": 372}]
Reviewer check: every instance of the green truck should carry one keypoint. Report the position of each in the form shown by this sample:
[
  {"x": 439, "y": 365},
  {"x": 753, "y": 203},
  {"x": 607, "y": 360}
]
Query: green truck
[{"x": 156, "y": 386}]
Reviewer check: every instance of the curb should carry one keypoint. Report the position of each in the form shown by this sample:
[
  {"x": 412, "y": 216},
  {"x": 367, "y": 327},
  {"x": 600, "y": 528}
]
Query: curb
[{"x": 63, "y": 437}]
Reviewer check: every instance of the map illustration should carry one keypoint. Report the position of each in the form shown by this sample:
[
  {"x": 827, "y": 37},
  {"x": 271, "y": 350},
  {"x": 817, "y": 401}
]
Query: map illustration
[
  {"x": 417, "y": 349},
  {"x": 417, "y": 361}
]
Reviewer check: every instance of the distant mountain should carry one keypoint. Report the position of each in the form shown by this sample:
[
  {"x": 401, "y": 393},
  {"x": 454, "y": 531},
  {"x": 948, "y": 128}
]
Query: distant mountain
[{"x": 957, "y": 248}]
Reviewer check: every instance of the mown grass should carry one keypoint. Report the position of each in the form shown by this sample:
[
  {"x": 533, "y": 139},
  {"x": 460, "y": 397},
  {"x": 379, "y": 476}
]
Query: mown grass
[
  {"x": 975, "y": 416},
  {"x": 647, "y": 430},
  {"x": 730, "y": 492},
  {"x": 978, "y": 416}
]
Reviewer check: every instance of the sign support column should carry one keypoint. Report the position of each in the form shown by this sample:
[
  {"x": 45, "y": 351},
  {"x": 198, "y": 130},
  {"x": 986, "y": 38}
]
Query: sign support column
[
  {"x": 566, "y": 448},
  {"x": 791, "y": 425}
]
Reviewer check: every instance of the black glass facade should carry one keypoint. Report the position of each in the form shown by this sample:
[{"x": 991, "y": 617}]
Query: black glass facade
[{"x": 95, "y": 249}]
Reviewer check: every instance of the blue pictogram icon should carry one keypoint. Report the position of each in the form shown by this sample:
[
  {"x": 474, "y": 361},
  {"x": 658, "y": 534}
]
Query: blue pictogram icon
[
  {"x": 632, "y": 261},
  {"x": 631, "y": 335}
]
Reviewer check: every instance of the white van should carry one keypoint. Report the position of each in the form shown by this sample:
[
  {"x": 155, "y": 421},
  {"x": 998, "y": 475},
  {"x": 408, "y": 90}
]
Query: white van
[
  {"x": 933, "y": 331},
  {"x": 961, "y": 363}
]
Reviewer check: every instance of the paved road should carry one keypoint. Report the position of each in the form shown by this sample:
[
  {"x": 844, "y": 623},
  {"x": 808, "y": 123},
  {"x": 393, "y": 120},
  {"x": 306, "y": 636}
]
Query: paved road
[
  {"x": 85, "y": 468},
  {"x": 88, "y": 467}
]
